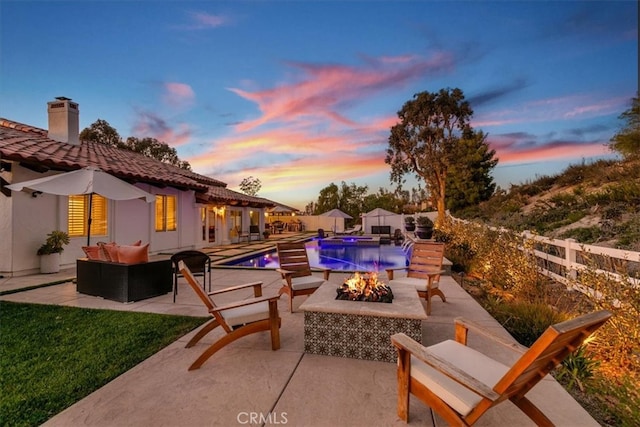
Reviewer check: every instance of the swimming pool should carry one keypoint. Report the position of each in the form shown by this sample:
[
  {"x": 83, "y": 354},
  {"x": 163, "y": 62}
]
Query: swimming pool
[{"x": 340, "y": 258}]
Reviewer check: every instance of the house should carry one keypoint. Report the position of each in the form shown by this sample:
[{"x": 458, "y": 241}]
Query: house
[{"x": 191, "y": 211}]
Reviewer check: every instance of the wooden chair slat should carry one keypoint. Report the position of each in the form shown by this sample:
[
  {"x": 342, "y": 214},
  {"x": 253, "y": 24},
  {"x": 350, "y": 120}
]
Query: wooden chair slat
[{"x": 294, "y": 263}]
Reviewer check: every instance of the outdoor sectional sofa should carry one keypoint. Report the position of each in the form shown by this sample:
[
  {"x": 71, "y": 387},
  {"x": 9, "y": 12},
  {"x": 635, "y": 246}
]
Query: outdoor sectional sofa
[
  {"x": 384, "y": 231},
  {"x": 127, "y": 279}
]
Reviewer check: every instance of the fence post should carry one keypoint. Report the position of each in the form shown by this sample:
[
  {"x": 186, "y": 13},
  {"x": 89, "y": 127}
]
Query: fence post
[{"x": 570, "y": 257}]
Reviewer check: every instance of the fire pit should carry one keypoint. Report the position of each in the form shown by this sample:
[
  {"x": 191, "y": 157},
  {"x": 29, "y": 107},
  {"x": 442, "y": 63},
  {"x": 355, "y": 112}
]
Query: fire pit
[{"x": 364, "y": 287}]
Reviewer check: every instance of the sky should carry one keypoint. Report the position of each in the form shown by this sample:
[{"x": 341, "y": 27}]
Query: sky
[{"x": 302, "y": 94}]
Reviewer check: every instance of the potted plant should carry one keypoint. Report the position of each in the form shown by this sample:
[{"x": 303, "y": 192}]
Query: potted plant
[
  {"x": 266, "y": 234},
  {"x": 424, "y": 229},
  {"x": 409, "y": 223},
  {"x": 50, "y": 251}
]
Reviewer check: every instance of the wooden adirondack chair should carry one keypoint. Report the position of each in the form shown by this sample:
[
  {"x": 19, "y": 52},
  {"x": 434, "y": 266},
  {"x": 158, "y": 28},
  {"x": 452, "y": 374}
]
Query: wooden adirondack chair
[
  {"x": 461, "y": 384},
  {"x": 297, "y": 278},
  {"x": 238, "y": 319},
  {"x": 423, "y": 272}
]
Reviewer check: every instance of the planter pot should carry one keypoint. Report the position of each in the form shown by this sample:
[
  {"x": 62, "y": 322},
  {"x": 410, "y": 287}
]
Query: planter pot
[
  {"x": 50, "y": 263},
  {"x": 424, "y": 232},
  {"x": 409, "y": 227}
]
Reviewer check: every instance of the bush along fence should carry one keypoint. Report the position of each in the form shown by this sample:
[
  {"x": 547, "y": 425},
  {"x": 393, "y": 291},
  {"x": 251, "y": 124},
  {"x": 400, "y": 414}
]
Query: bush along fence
[{"x": 566, "y": 260}]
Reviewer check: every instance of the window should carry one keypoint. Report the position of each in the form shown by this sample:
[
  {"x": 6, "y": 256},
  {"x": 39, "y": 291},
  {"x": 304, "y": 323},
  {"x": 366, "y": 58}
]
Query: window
[
  {"x": 166, "y": 213},
  {"x": 79, "y": 215}
]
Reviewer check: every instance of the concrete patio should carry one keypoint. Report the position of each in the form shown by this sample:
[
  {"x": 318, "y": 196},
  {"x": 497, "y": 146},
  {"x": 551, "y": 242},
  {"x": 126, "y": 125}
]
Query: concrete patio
[{"x": 248, "y": 384}]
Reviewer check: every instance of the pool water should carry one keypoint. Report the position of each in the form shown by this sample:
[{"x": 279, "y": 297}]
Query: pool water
[{"x": 340, "y": 258}]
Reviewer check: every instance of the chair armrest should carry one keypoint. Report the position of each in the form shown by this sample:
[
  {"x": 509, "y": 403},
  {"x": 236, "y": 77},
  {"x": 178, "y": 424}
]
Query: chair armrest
[
  {"x": 244, "y": 302},
  {"x": 391, "y": 270},
  {"x": 324, "y": 270},
  {"x": 463, "y": 326},
  {"x": 257, "y": 289},
  {"x": 286, "y": 274},
  {"x": 404, "y": 343}
]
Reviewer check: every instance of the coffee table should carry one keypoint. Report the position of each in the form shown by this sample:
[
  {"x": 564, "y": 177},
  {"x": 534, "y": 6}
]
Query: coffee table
[{"x": 359, "y": 329}]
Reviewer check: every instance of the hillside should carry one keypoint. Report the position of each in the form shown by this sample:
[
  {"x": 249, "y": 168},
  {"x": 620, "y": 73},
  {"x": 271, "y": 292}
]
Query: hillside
[{"x": 596, "y": 203}]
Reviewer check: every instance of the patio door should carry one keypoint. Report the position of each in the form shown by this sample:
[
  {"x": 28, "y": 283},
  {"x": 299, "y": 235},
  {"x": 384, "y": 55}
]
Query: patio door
[
  {"x": 235, "y": 224},
  {"x": 211, "y": 218}
]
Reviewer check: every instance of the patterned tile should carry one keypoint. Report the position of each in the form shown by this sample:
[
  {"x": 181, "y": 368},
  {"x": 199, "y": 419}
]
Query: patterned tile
[{"x": 356, "y": 336}]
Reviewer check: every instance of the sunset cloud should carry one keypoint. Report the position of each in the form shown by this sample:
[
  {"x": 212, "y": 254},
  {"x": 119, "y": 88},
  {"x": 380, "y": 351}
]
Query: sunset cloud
[
  {"x": 177, "y": 95},
  {"x": 548, "y": 109},
  {"x": 148, "y": 124},
  {"x": 523, "y": 147},
  {"x": 324, "y": 90}
]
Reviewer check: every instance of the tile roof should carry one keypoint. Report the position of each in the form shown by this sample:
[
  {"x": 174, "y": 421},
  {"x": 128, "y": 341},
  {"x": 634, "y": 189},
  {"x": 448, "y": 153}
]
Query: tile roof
[{"x": 31, "y": 146}]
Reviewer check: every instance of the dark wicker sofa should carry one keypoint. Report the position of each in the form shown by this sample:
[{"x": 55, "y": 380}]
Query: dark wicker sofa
[
  {"x": 384, "y": 231},
  {"x": 124, "y": 282}
]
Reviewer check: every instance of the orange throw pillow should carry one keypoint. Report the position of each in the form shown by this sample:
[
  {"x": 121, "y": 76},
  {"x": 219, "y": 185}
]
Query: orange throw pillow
[
  {"x": 133, "y": 254},
  {"x": 138, "y": 243},
  {"x": 93, "y": 252},
  {"x": 109, "y": 251}
]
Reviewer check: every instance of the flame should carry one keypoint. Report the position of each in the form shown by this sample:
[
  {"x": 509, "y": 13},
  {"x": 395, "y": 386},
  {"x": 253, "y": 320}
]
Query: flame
[
  {"x": 364, "y": 287},
  {"x": 363, "y": 284}
]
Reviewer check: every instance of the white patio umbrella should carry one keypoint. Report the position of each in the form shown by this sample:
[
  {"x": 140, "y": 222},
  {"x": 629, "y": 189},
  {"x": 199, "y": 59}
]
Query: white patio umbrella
[
  {"x": 378, "y": 212},
  {"x": 89, "y": 180},
  {"x": 336, "y": 213}
]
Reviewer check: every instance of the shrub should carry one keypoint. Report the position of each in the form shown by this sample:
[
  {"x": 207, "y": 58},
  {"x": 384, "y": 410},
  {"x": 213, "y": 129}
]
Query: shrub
[
  {"x": 525, "y": 321},
  {"x": 620, "y": 346},
  {"x": 577, "y": 369},
  {"x": 56, "y": 240},
  {"x": 494, "y": 255},
  {"x": 424, "y": 221},
  {"x": 585, "y": 235}
]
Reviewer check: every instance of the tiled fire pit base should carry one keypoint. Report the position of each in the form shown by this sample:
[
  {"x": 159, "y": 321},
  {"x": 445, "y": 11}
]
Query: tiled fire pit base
[{"x": 358, "y": 329}]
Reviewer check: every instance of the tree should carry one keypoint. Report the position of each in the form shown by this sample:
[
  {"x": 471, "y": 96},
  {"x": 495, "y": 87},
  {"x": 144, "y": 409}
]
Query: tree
[
  {"x": 155, "y": 149},
  {"x": 469, "y": 180},
  {"x": 101, "y": 131},
  {"x": 426, "y": 139},
  {"x": 250, "y": 186},
  {"x": 382, "y": 199},
  {"x": 349, "y": 198},
  {"x": 328, "y": 199},
  {"x": 627, "y": 140}
]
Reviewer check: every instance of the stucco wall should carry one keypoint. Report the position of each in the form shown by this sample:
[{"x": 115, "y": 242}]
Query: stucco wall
[
  {"x": 25, "y": 222},
  {"x": 6, "y": 236}
]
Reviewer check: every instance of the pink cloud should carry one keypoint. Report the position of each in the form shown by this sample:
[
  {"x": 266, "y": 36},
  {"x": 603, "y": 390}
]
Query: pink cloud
[
  {"x": 542, "y": 110},
  {"x": 509, "y": 151},
  {"x": 325, "y": 89},
  {"x": 178, "y": 95},
  {"x": 295, "y": 156}
]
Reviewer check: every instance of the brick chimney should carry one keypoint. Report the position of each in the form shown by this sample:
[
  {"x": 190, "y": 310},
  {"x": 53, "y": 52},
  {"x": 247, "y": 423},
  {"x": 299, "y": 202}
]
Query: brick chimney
[{"x": 64, "y": 119}]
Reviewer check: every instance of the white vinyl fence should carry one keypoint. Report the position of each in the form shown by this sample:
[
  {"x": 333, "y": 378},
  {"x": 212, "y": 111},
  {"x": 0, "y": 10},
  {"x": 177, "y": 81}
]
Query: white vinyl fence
[{"x": 563, "y": 260}]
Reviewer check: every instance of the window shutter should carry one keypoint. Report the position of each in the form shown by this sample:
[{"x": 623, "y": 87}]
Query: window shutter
[{"x": 171, "y": 213}]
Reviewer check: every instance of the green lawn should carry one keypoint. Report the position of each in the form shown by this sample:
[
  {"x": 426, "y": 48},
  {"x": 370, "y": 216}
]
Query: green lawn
[{"x": 53, "y": 356}]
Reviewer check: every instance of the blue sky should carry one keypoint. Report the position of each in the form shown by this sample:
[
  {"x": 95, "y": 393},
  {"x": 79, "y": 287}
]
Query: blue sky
[{"x": 300, "y": 94}]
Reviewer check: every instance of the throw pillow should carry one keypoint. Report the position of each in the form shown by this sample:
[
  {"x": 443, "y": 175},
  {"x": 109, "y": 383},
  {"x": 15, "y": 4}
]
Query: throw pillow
[
  {"x": 129, "y": 254},
  {"x": 109, "y": 251},
  {"x": 93, "y": 252}
]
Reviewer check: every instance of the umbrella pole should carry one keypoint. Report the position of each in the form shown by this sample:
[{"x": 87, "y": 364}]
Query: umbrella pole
[{"x": 89, "y": 227}]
